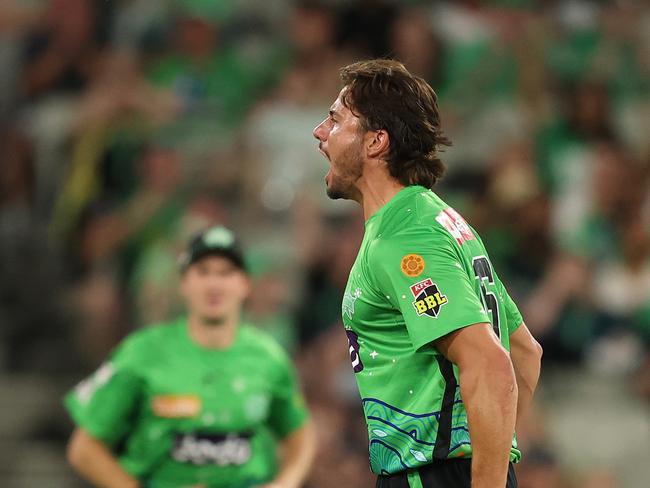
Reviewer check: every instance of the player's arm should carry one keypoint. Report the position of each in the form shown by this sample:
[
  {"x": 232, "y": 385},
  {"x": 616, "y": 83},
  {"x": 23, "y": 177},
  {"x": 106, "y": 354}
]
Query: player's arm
[
  {"x": 526, "y": 356},
  {"x": 95, "y": 462},
  {"x": 298, "y": 450},
  {"x": 102, "y": 408},
  {"x": 525, "y": 353},
  {"x": 489, "y": 390}
]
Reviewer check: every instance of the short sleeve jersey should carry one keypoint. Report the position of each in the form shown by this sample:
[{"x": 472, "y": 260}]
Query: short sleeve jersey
[
  {"x": 178, "y": 414},
  {"x": 421, "y": 273}
]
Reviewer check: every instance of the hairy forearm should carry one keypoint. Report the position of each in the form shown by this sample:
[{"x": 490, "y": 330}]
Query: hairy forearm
[
  {"x": 490, "y": 397},
  {"x": 526, "y": 356},
  {"x": 526, "y": 384},
  {"x": 299, "y": 449},
  {"x": 96, "y": 463}
]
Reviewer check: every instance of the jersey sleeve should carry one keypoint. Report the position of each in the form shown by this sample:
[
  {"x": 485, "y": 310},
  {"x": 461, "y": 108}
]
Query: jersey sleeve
[
  {"x": 513, "y": 315},
  {"x": 420, "y": 274},
  {"x": 288, "y": 410},
  {"x": 105, "y": 403}
]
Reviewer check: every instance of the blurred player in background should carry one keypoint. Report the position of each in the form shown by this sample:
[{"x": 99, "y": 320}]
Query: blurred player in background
[
  {"x": 204, "y": 401},
  {"x": 433, "y": 333}
]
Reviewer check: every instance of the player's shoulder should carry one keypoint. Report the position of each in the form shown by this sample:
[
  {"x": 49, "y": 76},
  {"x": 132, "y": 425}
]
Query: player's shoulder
[
  {"x": 262, "y": 343},
  {"x": 414, "y": 213},
  {"x": 148, "y": 340},
  {"x": 154, "y": 333},
  {"x": 418, "y": 230}
]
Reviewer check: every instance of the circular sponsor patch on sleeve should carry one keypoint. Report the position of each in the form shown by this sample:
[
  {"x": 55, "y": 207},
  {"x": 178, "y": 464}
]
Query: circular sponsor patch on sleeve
[{"x": 412, "y": 265}]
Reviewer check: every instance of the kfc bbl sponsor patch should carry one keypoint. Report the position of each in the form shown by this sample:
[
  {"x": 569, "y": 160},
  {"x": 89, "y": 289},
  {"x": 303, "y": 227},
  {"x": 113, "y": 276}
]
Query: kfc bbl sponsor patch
[
  {"x": 428, "y": 298},
  {"x": 232, "y": 449}
]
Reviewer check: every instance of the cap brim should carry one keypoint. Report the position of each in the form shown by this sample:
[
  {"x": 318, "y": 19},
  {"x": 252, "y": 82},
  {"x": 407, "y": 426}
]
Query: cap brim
[{"x": 235, "y": 258}]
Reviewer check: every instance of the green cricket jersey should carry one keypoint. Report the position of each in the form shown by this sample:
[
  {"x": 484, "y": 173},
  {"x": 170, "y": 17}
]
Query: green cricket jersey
[
  {"x": 179, "y": 414},
  {"x": 421, "y": 272}
]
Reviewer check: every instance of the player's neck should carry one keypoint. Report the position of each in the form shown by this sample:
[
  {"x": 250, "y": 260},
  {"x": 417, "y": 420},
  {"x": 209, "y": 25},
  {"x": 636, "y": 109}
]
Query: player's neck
[
  {"x": 213, "y": 336},
  {"x": 376, "y": 189}
]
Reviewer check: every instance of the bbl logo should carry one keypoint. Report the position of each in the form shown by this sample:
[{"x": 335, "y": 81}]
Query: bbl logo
[{"x": 428, "y": 298}]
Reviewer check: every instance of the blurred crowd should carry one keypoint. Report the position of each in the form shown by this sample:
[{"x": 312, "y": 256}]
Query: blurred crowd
[{"x": 128, "y": 125}]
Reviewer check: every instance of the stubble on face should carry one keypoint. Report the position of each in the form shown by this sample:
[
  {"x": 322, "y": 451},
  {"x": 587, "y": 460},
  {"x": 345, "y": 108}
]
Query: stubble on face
[
  {"x": 349, "y": 168},
  {"x": 212, "y": 321}
]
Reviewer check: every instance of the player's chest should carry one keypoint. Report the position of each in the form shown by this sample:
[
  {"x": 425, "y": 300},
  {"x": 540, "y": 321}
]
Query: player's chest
[
  {"x": 215, "y": 394},
  {"x": 364, "y": 305}
]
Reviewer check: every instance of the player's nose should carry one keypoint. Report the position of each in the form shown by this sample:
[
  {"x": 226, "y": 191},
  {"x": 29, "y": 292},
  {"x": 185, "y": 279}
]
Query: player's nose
[{"x": 319, "y": 131}]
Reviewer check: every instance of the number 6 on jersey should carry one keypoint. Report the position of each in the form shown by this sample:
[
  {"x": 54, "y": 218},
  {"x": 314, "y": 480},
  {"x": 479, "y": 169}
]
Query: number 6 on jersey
[{"x": 483, "y": 272}]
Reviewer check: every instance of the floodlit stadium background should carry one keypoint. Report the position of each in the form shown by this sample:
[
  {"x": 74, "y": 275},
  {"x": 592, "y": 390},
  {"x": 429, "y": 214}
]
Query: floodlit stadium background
[{"x": 126, "y": 125}]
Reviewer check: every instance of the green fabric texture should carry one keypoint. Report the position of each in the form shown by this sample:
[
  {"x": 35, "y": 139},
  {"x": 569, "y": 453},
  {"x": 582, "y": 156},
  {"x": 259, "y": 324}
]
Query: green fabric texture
[{"x": 421, "y": 273}]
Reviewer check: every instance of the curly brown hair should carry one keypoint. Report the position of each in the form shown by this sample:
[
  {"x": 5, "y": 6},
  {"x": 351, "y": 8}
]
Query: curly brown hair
[{"x": 385, "y": 96}]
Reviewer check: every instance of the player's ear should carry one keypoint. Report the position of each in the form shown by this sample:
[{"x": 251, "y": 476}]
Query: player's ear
[
  {"x": 377, "y": 143},
  {"x": 248, "y": 285}
]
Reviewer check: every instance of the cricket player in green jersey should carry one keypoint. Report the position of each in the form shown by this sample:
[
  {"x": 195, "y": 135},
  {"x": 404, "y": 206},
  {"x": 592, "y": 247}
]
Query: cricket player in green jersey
[
  {"x": 201, "y": 402},
  {"x": 442, "y": 358}
]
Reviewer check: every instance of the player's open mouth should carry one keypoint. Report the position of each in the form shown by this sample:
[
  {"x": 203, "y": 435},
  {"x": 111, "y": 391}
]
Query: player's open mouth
[{"x": 214, "y": 300}]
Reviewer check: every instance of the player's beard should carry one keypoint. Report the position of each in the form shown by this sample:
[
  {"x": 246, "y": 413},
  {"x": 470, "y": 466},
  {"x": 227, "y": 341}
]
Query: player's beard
[
  {"x": 213, "y": 320},
  {"x": 350, "y": 169}
]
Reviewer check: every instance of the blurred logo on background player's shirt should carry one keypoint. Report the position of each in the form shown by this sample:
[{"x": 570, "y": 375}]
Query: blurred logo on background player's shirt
[
  {"x": 87, "y": 388},
  {"x": 176, "y": 406},
  {"x": 220, "y": 449}
]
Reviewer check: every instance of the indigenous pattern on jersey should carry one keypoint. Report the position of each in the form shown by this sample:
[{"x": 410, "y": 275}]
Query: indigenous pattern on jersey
[
  {"x": 183, "y": 415},
  {"x": 421, "y": 273}
]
